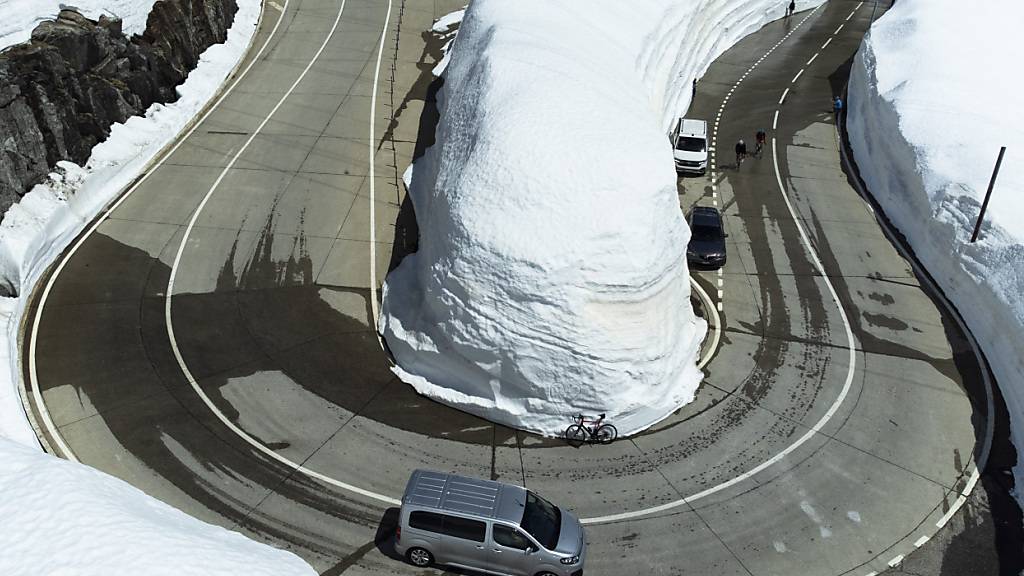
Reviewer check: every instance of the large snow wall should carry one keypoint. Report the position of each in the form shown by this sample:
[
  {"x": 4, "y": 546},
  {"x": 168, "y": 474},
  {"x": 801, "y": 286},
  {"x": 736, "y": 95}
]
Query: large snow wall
[
  {"x": 926, "y": 118},
  {"x": 551, "y": 276}
]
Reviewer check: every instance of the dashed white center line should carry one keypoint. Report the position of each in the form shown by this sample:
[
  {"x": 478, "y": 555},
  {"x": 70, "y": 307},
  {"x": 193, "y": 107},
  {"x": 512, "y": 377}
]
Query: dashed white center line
[
  {"x": 813, "y": 58},
  {"x": 895, "y": 561},
  {"x": 838, "y": 29},
  {"x": 921, "y": 541},
  {"x": 720, "y": 294},
  {"x": 276, "y": 6},
  {"x": 827, "y": 42},
  {"x": 720, "y": 281},
  {"x": 784, "y": 96},
  {"x": 858, "y": 6},
  {"x": 851, "y": 15},
  {"x": 775, "y": 122},
  {"x": 797, "y": 76}
]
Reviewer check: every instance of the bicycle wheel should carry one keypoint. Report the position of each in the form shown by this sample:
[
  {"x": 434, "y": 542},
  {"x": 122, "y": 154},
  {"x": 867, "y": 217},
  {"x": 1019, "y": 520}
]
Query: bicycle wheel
[
  {"x": 575, "y": 435},
  {"x": 606, "y": 434}
]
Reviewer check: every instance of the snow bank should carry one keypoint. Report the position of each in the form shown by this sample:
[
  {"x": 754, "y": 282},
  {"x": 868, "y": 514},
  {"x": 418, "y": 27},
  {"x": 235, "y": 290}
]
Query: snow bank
[
  {"x": 64, "y": 518},
  {"x": 551, "y": 276},
  {"x": 19, "y": 17},
  {"x": 926, "y": 120}
]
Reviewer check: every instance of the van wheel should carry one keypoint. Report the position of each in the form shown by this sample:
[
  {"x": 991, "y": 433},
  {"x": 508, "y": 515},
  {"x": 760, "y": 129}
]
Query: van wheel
[
  {"x": 420, "y": 557},
  {"x": 546, "y": 574}
]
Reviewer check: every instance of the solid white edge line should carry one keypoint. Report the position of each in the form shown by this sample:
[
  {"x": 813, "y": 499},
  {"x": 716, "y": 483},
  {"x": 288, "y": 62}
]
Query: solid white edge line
[
  {"x": 168, "y": 298},
  {"x": 37, "y": 394},
  {"x": 716, "y": 338},
  {"x": 784, "y": 93},
  {"x": 374, "y": 306}
]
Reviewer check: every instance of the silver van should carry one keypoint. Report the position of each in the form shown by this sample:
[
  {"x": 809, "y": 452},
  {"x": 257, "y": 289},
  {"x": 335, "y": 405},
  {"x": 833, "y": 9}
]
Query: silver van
[{"x": 486, "y": 526}]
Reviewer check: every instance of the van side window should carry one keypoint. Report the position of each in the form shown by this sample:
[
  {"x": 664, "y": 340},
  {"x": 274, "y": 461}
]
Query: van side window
[
  {"x": 464, "y": 528},
  {"x": 426, "y": 521},
  {"x": 510, "y": 538}
]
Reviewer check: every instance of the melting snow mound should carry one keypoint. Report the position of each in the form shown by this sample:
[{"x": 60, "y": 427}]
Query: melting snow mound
[{"x": 551, "y": 276}]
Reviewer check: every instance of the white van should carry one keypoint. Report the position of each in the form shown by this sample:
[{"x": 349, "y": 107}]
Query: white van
[
  {"x": 690, "y": 145},
  {"x": 487, "y": 526}
]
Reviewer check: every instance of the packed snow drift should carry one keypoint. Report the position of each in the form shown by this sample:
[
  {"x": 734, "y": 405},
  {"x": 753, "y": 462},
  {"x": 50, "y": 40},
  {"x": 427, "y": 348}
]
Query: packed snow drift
[
  {"x": 551, "y": 276},
  {"x": 64, "y": 518},
  {"x": 926, "y": 118}
]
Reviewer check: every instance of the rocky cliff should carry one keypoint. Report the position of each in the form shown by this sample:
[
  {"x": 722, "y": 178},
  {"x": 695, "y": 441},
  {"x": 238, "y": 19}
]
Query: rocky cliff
[{"x": 61, "y": 91}]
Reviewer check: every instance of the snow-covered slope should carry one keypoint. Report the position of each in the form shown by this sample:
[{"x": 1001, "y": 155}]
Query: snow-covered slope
[
  {"x": 932, "y": 97},
  {"x": 551, "y": 275},
  {"x": 64, "y": 518},
  {"x": 19, "y": 17}
]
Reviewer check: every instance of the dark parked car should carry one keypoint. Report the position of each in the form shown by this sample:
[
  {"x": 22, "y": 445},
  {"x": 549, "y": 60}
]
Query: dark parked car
[{"x": 707, "y": 238}]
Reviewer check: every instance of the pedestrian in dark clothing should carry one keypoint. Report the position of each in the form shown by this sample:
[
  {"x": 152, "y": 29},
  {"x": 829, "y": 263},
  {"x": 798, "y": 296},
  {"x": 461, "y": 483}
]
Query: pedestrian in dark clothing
[
  {"x": 694, "y": 87},
  {"x": 791, "y": 9},
  {"x": 837, "y": 106}
]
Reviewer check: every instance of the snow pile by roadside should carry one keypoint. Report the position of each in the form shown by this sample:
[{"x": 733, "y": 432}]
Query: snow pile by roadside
[
  {"x": 19, "y": 17},
  {"x": 64, "y": 518},
  {"x": 551, "y": 276},
  {"x": 926, "y": 120}
]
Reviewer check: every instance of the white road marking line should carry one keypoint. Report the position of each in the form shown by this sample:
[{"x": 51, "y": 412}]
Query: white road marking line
[
  {"x": 827, "y": 42},
  {"x": 871, "y": 574},
  {"x": 795, "y": 78},
  {"x": 717, "y": 336},
  {"x": 374, "y": 307},
  {"x": 952, "y": 511},
  {"x": 921, "y": 541},
  {"x": 851, "y": 15},
  {"x": 168, "y": 298},
  {"x": 775, "y": 121},
  {"x": 33, "y": 376},
  {"x": 858, "y": 6},
  {"x": 599, "y": 520},
  {"x": 721, "y": 293},
  {"x": 719, "y": 272},
  {"x": 720, "y": 280},
  {"x": 714, "y": 203},
  {"x": 838, "y": 29},
  {"x": 971, "y": 482},
  {"x": 276, "y": 6},
  {"x": 895, "y": 561},
  {"x": 784, "y": 93},
  {"x": 813, "y": 58}
]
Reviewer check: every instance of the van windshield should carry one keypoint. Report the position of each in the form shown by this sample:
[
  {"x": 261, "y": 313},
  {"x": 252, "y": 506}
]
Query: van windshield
[
  {"x": 688, "y": 144},
  {"x": 542, "y": 520}
]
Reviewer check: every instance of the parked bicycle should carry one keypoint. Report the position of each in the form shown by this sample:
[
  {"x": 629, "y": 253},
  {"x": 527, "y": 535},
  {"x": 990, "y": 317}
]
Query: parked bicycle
[{"x": 584, "y": 430}]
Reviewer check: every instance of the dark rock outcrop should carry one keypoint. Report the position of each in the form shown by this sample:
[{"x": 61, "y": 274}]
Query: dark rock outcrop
[{"x": 61, "y": 91}]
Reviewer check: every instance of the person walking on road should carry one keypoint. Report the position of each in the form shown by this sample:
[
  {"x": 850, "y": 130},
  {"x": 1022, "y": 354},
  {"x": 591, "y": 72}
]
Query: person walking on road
[
  {"x": 741, "y": 152},
  {"x": 837, "y": 107},
  {"x": 791, "y": 8}
]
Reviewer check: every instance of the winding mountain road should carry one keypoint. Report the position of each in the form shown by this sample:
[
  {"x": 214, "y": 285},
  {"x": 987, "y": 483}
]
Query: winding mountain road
[{"x": 212, "y": 340}]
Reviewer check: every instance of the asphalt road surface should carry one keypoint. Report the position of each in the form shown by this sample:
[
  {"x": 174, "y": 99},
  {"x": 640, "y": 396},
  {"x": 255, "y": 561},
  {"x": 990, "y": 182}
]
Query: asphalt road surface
[{"x": 212, "y": 339}]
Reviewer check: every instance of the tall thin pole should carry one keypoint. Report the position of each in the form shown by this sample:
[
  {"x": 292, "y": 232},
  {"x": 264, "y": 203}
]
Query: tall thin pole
[{"x": 988, "y": 194}]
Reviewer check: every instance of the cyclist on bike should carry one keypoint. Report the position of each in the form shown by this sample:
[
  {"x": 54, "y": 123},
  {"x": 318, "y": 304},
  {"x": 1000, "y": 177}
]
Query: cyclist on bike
[
  {"x": 760, "y": 139},
  {"x": 741, "y": 152}
]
